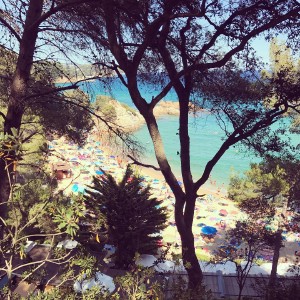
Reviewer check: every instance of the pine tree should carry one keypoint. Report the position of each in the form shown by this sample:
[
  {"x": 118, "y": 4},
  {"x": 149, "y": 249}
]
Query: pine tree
[{"x": 133, "y": 218}]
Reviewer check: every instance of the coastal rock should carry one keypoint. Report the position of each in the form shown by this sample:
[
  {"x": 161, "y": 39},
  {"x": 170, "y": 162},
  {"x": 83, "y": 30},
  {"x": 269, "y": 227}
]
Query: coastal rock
[{"x": 130, "y": 120}]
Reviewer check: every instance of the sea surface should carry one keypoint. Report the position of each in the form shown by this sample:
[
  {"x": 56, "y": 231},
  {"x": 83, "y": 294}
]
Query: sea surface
[
  {"x": 205, "y": 135},
  {"x": 205, "y": 139}
]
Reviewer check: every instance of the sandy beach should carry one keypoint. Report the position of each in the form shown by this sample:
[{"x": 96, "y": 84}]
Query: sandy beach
[{"x": 212, "y": 209}]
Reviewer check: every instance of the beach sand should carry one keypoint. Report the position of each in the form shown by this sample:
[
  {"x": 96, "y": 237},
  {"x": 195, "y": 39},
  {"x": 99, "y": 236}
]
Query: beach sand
[{"x": 87, "y": 161}]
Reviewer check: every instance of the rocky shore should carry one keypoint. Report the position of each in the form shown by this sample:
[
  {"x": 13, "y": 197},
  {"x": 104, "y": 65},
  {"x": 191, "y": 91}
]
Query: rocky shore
[{"x": 131, "y": 120}]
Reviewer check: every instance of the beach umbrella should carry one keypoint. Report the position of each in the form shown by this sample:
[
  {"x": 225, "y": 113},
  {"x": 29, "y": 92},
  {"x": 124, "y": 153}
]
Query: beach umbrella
[
  {"x": 106, "y": 281},
  {"x": 81, "y": 189},
  {"x": 166, "y": 266},
  {"x": 101, "y": 280},
  {"x": 208, "y": 230},
  {"x": 146, "y": 260},
  {"x": 75, "y": 188},
  {"x": 223, "y": 212},
  {"x": 67, "y": 244}
]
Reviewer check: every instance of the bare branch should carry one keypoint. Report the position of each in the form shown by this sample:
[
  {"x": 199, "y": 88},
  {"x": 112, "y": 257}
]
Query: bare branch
[
  {"x": 135, "y": 162},
  {"x": 54, "y": 9},
  {"x": 29, "y": 136},
  {"x": 72, "y": 86},
  {"x": 10, "y": 28}
]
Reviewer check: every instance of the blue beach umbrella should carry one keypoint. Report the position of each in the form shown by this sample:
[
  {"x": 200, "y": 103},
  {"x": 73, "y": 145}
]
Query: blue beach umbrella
[
  {"x": 75, "y": 188},
  {"x": 208, "y": 230}
]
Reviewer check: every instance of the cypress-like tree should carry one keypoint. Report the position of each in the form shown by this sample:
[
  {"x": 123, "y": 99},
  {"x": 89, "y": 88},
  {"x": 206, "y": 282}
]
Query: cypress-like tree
[{"x": 132, "y": 217}]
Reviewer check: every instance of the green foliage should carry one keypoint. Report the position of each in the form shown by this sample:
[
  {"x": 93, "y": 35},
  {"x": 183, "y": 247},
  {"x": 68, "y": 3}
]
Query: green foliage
[
  {"x": 67, "y": 293},
  {"x": 67, "y": 218},
  {"x": 285, "y": 70},
  {"x": 283, "y": 289},
  {"x": 105, "y": 106},
  {"x": 87, "y": 263},
  {"x": 7, "y": 68},
  {"x": 28, "y": 204},
  {"x": 132, "y": 218},
  {"x": 60, "y": 113},
  {"x": 11, "y": 146},
  {"x": 138, "y": 284},
  {"x": 262, "y": 180},
  {"x": 180, "y": 291},
  {"x": 269, "y": 182},
  {"x": 65, "y": 115}
]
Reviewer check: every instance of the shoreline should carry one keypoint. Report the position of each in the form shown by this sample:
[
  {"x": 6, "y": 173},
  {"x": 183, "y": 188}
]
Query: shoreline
[{"x": 94, "y": 156}]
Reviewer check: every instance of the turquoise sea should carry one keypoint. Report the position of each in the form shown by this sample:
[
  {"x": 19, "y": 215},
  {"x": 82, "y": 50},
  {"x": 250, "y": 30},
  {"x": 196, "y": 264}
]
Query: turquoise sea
[
  {"x": 206, "y": 138},
  {"x": 205, "y": 133}
]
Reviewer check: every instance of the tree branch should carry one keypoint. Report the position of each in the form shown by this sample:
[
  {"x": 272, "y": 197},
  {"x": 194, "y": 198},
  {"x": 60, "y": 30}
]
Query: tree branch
[
  {"x": 10, "y": 28},
  {"x": 2, "y": 115},
  {"x": 72, "y": 86},
  {"x": 53, "y": 10},
  {"x": 135, "y": 162}
]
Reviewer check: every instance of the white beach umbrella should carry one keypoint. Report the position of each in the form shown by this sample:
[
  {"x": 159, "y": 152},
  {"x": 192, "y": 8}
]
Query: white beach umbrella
[
  {"x": 106, "y": 281},
  {"x": 101, "y": 280},
  {"x": 166, "y": 266},
  {"x": 67, "y": 244},
  {"x": 146, "y": 260}
]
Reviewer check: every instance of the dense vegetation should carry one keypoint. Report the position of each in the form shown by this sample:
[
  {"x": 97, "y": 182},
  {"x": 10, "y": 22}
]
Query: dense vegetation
[
  {"x": 201, "y": 49},
  {"x": 132, "y": 219}
]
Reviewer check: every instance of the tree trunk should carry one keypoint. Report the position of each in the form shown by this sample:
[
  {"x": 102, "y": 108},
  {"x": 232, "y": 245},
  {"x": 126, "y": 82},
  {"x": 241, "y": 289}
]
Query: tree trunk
[
  {"x": 277, "y": 247},
  {"x": 16, "y": 101},
  {"x": 189, "y": 257}
]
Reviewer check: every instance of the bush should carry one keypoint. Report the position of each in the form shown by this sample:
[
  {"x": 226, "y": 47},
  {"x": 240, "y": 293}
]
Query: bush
[{"x": 132, "y": 218}]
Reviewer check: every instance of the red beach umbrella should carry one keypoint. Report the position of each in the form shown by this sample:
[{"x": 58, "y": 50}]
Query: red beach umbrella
[{"x": 223, "y": 212}]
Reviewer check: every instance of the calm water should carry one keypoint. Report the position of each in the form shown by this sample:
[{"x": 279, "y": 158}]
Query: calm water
[
  {"x": 112, "y": 87},
  {"x": 206, "y": 136}
]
